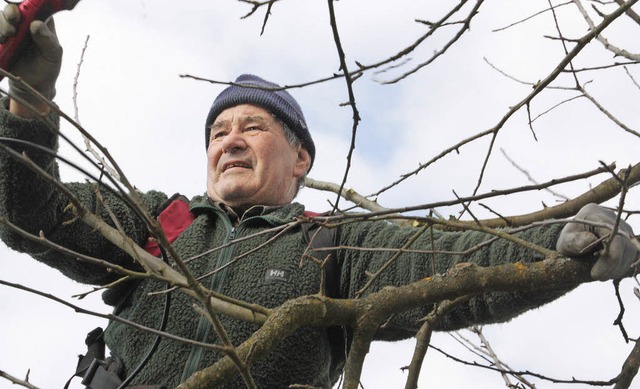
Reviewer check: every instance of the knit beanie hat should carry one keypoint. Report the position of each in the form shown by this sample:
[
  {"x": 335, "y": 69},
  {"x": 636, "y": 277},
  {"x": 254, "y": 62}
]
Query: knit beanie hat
[{"x": 278, "y": 102}]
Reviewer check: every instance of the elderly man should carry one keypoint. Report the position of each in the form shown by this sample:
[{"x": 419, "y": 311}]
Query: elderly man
[{"x": 259, "y": 150}]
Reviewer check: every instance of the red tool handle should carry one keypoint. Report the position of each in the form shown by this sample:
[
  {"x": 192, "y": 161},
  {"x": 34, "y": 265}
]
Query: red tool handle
[{"x": 30, "y": 10}]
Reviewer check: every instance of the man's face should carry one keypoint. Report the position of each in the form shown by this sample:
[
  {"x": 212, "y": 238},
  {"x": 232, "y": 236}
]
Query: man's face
[{"x": 249, "y": 160}]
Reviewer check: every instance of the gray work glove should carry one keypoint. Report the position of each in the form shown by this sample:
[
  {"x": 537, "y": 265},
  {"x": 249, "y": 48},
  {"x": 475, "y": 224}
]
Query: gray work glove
[
  {"x": 39, "y": 64},
  {"x": 577, "y": 239}
]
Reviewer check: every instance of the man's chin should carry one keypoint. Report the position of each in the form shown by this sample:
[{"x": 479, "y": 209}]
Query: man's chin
[{"x": 230, "y": 196}]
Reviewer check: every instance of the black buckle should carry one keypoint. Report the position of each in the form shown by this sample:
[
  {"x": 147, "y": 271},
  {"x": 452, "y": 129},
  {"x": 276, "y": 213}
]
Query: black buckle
[
  {"x": 98, "y": 377},
  {"x": 91, "y": 371}
]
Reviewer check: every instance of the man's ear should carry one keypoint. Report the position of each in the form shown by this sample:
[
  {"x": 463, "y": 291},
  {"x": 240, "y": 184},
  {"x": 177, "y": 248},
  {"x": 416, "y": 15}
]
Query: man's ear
[{"x": 303, "y": 163}]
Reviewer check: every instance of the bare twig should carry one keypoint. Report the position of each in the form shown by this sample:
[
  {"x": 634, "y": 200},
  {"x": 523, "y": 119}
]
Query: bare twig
[
  {"x": 618, "y": 322},
  {"x": 528, "y": 175},
  {"x": 257, "y": 5},
  {"x": 614, "y": 49},
  {"x": 423, "y": 339},
  {"x": 361, "y": 68},
  {"x": 87, "y": 142},
  {"x": 607, "y": 113},
  {"x": 631, "y": 77},
  {"x": 496, "y": 360},
  {"x": 580, "y": 44},
  {"x": 530, "y": 17},
  {"x": 464, "y": 28},
  {"x": 111, "y": 317},
  {"x": 630, "y": 12},
  {"x": 598, "y": 194},
  {"x": 528, "y": 373},
  {"x": 540, "y": 86},
  {"x": 629, "y": 368},
  {"x": 17, "y": 381},
  {"x": 352, "y": 99}
]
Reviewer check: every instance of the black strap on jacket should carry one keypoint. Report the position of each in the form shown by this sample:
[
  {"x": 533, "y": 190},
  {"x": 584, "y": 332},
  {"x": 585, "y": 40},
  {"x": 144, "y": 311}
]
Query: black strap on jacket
[{"x": 339, "y": 337}]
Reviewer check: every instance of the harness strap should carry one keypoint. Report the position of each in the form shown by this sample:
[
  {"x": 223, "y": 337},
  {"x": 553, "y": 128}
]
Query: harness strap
[
  {"x": 319, "y": 239},
  {"x": 339, "y": 337}
]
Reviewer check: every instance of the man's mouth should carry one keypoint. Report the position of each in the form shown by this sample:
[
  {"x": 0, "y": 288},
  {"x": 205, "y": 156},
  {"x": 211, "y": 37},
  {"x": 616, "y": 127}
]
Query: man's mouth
[{"x": 235, "y": 164}]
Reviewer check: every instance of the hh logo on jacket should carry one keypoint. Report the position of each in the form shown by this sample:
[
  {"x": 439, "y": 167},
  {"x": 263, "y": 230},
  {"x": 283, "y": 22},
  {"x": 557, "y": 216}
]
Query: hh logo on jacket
[{"x": 276, "y": 275}]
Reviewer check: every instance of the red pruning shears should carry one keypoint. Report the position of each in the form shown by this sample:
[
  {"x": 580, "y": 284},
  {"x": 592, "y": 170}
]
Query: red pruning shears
[{"x": 30, "y": 10}]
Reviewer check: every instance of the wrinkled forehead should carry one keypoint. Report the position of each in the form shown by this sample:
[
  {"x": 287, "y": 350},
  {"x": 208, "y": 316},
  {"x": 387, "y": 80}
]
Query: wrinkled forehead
[{"x": 243, "y": 114}]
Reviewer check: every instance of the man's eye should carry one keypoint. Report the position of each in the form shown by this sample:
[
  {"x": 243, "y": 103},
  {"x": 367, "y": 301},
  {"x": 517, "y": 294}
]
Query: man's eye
[
  {"x": 217, "y": 135},
  {"x": 253, "y": 128}
]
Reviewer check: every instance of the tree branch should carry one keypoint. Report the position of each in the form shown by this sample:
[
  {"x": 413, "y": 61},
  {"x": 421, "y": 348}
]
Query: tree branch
[{"x": 377, "y": 307}]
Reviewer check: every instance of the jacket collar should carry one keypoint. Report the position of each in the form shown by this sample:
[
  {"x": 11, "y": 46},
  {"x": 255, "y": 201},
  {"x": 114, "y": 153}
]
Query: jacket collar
[{"x": 272, "y": 214}]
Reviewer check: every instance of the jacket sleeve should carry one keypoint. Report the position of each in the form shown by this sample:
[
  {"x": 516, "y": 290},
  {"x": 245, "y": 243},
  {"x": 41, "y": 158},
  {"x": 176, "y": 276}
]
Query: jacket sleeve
[
  {"x": 37, "y": 206},
  {"x": 409, "y": 267}
]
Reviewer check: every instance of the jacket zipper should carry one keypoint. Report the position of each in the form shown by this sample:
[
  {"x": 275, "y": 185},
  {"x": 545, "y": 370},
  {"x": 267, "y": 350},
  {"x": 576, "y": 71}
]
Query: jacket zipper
[{"x": 217, "y": 281}]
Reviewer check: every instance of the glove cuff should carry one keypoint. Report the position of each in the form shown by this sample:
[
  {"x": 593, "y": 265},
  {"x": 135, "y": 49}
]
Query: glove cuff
[{"x": 20, "y": 93}]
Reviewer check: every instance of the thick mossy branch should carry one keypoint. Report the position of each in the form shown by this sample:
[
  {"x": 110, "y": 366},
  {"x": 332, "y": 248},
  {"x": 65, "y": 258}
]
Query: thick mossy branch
[{"x": 374, "y": 309}]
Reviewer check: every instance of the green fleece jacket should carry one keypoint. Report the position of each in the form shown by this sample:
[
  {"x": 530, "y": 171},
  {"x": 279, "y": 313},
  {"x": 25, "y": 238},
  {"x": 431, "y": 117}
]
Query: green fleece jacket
[{"x": 304, "y": 357}]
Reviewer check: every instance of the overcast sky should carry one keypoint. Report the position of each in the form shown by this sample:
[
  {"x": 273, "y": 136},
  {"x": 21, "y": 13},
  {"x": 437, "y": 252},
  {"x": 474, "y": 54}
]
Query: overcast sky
[{"x": 131, "y": 98}]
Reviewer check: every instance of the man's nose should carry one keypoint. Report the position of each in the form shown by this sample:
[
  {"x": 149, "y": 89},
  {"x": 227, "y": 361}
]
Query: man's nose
[{"x": 234, "y": 140}]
